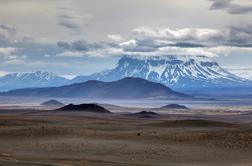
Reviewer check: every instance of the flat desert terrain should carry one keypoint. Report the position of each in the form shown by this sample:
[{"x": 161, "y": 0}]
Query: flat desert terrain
[{"x": 46, "y": 138}]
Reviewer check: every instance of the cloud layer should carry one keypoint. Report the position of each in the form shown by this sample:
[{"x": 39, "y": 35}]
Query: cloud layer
[
  {"x": 231, "y": 7},
  {"x": 149, "y": 41},
  {"x": 66, "y": 36}
]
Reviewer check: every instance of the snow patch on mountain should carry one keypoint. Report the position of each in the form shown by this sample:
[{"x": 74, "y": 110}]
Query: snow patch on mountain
[{"x": 39, "y": 75}]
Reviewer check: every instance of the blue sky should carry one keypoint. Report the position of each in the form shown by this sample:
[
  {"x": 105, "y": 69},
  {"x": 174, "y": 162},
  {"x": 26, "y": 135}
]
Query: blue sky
[{"x": 85, "y": 36}]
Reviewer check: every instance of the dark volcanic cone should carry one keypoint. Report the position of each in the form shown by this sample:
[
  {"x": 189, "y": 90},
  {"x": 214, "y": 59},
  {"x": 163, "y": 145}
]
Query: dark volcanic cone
[{"x": 84, "y": 108}]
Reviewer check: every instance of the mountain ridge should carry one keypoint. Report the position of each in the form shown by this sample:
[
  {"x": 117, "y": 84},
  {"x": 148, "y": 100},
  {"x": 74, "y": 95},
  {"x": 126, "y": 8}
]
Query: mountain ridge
[{"x": 126, "y": 88}]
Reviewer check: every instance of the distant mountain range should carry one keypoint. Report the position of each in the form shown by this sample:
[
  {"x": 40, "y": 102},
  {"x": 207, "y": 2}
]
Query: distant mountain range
[
  {"x": 33, "y": 79},
  {"x": 127, "y": 88},
  {"x": 177, "y": 72}
]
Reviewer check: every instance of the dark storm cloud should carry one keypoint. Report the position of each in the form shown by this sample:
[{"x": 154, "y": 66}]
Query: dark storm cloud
[
  {"x": 82, "y": 45},
  {"x": 187, "y": 45},
  {"x": 11, "y": 30},
  {"x": 68, "y": 23},
  {"x": 73, "y": 21},
  {"x": 64, "y": 44},
  {"x": 240, "y": 36},
  {"x": 231, "y": 7},
  {"x": 151, "y": 44},
  {"x": 220, "y": 4},
  {"x": 140, "y": 48}
]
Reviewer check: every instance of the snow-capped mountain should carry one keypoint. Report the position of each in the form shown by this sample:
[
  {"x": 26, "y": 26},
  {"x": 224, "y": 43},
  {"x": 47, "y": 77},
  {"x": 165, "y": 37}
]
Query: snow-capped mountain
[
  {"x": 32, "y": 79},
  {"x": 173, "y": 71}
]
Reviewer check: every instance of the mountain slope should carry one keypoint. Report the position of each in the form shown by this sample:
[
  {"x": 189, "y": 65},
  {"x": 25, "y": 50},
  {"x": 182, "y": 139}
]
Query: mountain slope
[
  {"x": 173, "y": 71},
  {"x": 127, "y": 88},
  {"x": 33, "y": 79}
]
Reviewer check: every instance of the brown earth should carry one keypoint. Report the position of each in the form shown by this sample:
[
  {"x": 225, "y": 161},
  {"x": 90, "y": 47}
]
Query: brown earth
[{"x": 94, "y": 140}]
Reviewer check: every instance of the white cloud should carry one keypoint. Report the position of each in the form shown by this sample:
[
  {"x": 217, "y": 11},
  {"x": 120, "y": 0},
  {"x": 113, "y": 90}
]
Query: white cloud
[
  {"x": 3, "y": 73},
  {"x": 47, "y": 55},
  {"x": 15, "y": 62},
  {"x": 179, "y": 35},
  {"x": 70, "y": 54},
  {"x": 226, "y": 50},
  {"x": 11, "y": 55},
  {"x": 7, "y": 51},
  {"x": 130, "y": 43},
  {"x": 105, "y": 52},
  {"x": 115, "y": 37},
  {"x": 187, "y": 51},
  {"x": 69, "y": 76}
]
